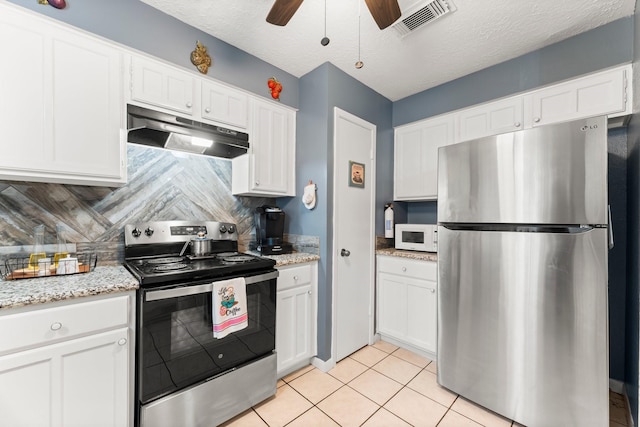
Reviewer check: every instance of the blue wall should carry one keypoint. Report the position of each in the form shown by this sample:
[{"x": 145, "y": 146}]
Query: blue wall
[
  {"x": 137, "y": 25},
  {"x": 321, "y": 90}
]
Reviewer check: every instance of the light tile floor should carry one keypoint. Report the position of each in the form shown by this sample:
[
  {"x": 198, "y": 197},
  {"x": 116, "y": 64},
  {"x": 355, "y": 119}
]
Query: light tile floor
[{"x": 378, "y": 386}]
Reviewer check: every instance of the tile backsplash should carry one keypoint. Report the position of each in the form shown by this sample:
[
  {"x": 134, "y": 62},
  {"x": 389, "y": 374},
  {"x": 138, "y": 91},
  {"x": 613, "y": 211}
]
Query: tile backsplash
[{"x": 162, "y": 185}]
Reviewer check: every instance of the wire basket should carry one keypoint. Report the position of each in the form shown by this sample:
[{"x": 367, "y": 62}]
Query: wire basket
[{"x": 43, "y": 265}]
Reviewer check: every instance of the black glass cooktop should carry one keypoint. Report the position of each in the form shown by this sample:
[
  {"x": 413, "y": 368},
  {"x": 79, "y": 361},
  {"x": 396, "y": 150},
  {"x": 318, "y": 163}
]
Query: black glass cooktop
[{"x": 165, "y": 269}]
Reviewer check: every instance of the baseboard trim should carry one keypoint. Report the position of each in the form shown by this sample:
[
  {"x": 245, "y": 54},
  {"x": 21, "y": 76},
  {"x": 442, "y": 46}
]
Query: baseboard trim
[
  {"x": 324, "y": 366},
  {"x": 616, "y": 386}
]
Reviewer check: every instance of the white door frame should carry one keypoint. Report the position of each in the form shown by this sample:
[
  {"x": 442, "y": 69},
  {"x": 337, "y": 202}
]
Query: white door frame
[{"x": 371, "y": 180}]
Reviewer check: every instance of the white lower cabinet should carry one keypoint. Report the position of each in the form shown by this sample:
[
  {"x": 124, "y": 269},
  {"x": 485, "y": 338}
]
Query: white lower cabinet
[
  {"x": 407, "y": 303},
  {"x": 69, "y": 370},
  {"x": 296, "y": 319}
]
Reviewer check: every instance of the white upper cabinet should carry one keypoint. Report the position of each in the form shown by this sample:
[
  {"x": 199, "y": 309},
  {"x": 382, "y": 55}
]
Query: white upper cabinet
[
  {"x": 416, "y": 144},
  {"x": 62, "y": 109},
  {"x": 268, "y": 169},
  {"x": 223, "y": 104},
  {"x": 416, "y": 157},
  {"x": 162, "y": 85},
  {"x": 505, "y": 115},
  {"x": 593, "y": 95}
]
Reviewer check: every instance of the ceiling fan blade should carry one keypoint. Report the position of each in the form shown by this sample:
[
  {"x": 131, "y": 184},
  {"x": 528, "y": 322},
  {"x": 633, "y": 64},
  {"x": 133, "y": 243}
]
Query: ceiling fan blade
[
  {"x": 282, "y": 11},
  {"x": 384, "y": 12}
]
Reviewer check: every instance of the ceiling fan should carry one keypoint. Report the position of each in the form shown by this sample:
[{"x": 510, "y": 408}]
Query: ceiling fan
[{"x": 384, "y": 12}]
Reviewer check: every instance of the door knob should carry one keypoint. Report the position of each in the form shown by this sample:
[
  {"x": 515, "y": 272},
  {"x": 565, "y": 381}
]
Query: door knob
[{"x": 344, "y": 252}]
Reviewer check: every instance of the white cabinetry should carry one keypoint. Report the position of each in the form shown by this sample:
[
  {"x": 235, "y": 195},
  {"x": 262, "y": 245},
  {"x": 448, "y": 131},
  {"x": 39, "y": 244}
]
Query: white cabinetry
[
  {"x": 223, "y": 104},
  {"x": 416, "y": 144},
  {"x": 407, "y": 303},
  {"x": 62, "y": 106},
  {"x": 505, "y": 115},
  {"x": 416, "y": 157},
  {"x": 296, "y": 316},
  {"x": 268, "y": 169},
  {"x": 68, "y": 365},
  {"x": 162, "y": 85},
  {"x": 593, "y": 95}
]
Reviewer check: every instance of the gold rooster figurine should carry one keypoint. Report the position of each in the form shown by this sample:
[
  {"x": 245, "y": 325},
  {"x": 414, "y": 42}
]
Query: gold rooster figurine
[{"x": 200, "y": 58}]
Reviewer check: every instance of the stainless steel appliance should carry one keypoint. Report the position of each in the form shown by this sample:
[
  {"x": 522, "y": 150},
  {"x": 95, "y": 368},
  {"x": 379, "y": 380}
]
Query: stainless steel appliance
[
  {"x": 185, "y": 376},
  {"x": 269, "y": 221},
  {"x": 162, "y": 130},
  {"x": 522, "y": 273},
  {"x": 417, "y": 237}
]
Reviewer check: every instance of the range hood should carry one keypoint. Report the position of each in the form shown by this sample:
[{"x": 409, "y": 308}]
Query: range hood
[{"x": 157, "y": 129}]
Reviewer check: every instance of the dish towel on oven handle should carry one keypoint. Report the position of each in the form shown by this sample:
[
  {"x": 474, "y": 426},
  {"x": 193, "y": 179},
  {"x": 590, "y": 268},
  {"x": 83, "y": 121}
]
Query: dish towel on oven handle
[{"x": 229, "y": 306}]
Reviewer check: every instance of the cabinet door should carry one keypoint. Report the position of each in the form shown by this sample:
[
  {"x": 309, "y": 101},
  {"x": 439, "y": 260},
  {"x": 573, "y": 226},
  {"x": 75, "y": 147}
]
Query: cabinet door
[
  {"x": 162, "y": 85},
  {"x": 272, "y": 148},
  {"x": 24, "y": 81},
  {"x": 416, "y": 157},
  {"x": 392, "y": 305},
  {"x": 75, "y": 383},
  {"x": 293, "y": 326},
  {"x": 223, "y": 104},
  {"x": 94, "y": 375},
  {"x": 491, "y": 119},
  {"x": 599, "y": 94},
  {"x": 421, "y": 314},
  {"x": 87, "y": 107}
]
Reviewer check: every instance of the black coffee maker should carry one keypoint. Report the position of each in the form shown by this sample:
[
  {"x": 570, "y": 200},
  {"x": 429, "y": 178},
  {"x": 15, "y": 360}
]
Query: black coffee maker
[{"x": 269, "y": 222}]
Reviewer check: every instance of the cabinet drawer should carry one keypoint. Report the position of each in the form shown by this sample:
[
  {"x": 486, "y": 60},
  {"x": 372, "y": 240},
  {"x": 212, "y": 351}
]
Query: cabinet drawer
[
  {"x": 294, "y": 276},
  {"x": 52, "y": 324},
  {"x": 427, "y": 270}
]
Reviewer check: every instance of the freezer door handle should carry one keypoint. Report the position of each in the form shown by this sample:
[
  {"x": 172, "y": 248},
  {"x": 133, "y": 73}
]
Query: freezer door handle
[{"x": 610, "y": 228}]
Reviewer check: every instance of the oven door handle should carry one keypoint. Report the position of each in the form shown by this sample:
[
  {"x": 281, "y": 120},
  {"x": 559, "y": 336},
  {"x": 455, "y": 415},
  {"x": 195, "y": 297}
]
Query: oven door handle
[{"x": 200, "y": 289}]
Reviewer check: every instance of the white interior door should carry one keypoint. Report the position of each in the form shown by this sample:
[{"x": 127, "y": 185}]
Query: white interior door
[{"x": 353, "y": 234}]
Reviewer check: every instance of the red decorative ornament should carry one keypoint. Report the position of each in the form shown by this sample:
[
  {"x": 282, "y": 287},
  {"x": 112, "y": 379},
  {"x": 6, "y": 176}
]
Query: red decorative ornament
[{"x": 275, "y": 87}]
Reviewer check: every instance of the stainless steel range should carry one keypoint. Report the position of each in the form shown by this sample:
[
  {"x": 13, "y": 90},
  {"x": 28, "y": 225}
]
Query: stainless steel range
[{"x": 184, "y": 375}]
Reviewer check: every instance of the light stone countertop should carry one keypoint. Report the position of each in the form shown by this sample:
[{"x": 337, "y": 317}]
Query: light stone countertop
[
  {"x": 290, "y": 259},
  {"x": 102, "y": 280},
  {"x": 421, "y": 256}
]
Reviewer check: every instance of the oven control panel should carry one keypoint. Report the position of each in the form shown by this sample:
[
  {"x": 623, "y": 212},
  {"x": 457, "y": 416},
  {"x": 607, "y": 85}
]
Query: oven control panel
[{"x": 177, "y": 231}]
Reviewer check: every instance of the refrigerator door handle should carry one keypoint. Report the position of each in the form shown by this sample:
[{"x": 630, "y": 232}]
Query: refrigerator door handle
[{"x": 610, "y": 228}]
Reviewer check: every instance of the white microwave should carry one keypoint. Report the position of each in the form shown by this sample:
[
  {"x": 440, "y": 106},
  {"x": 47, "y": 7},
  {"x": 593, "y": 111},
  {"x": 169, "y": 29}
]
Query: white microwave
[{"x": 417, "y": 237}]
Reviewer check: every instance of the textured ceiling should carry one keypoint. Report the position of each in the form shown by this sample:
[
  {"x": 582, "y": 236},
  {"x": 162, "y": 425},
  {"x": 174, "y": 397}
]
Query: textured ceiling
[{"x": 477, "y": 35}]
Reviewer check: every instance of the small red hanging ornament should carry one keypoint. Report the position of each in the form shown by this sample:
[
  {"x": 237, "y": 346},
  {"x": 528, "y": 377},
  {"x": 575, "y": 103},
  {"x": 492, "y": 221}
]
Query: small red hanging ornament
[{"x": 275, "y": 87}]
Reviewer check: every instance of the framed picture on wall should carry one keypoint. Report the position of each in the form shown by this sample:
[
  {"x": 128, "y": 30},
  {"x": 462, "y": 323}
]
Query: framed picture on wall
[{"x": 356, "y": 174}]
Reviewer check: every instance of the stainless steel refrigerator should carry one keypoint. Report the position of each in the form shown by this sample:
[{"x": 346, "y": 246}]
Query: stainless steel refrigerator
[{"x": 522, "y": 273}]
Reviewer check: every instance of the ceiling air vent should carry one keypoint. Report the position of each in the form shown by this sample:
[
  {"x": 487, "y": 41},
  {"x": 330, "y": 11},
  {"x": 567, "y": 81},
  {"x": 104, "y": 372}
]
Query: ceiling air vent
[{"x": 421, "y": 14}]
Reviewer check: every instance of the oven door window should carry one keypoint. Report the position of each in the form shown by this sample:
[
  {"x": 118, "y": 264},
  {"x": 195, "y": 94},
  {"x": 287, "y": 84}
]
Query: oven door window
[{"x": 178, "y": 348}]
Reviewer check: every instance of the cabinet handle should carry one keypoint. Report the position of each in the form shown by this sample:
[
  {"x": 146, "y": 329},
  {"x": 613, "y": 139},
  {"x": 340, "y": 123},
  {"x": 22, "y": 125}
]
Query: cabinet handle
[
  {"x": 404, "y": 268},
  {"x": 55, "y": 326},
  {"x": 122, "y": 341},
  {"x": 295, "y": 278},
  {"x": 536, "y": 119},
  {"x": 188, "y": 105},
  {"x": 257, "y": 183},
  {"x": 309, "y": 292},
  {"x": 433, "y": 291},
  {"x": 517, "y": 124},
  {"x": 207, "y": 110}
]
